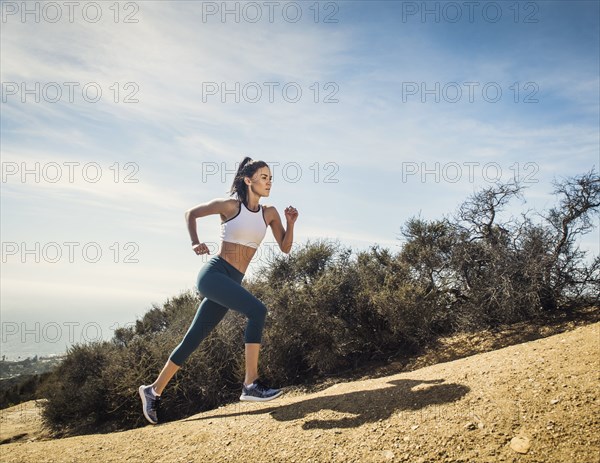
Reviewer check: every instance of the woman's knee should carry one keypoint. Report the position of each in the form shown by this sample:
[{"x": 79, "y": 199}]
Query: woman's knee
[
  {"x": 256, "y": 323},
  {"x": 259, "y": 312},
  {"x": 179, "y": 355}
]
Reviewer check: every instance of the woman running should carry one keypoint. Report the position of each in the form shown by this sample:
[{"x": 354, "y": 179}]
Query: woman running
[{"x": 244, "y": 224}]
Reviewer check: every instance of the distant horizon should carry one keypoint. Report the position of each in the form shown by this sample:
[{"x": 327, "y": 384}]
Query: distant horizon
[{"x": 47, "y": 356}]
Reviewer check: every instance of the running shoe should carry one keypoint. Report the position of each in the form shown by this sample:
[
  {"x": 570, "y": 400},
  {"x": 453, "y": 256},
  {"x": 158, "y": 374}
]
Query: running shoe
[
  {"x": 259, "y": 392},
  {"x": 150, "y": 403}
]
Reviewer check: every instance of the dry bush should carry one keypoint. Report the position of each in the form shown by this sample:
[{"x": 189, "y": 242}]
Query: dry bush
[{"x": 331, "y": 310}]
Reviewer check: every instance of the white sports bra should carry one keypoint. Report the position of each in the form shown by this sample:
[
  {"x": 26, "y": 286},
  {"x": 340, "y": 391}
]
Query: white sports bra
[{"x": 246, "y": 227}]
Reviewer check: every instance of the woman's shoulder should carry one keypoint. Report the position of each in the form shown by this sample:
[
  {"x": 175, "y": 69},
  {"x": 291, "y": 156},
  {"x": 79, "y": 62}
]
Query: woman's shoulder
[
  {"x": 222, "y": 200},
  {"x": 227, "y": 206},
  {"x": 269, "y": 212},
  {"x": 230, "y": 207},
  {"x": 231, "y": 201}
]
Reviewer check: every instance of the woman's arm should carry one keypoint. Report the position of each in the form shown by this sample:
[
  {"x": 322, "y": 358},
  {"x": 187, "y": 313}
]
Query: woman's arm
[
  {"x": 216, "y": 206},
  {"x": 285, "y": 238}
]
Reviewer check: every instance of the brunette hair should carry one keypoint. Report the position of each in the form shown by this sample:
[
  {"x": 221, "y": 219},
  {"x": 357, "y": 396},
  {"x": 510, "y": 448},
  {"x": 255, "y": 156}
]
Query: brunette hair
[{"x": 247, "y": 168}]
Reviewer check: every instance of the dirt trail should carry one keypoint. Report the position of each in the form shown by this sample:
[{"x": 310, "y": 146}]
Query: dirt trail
[{"x": 531, "y": 402}]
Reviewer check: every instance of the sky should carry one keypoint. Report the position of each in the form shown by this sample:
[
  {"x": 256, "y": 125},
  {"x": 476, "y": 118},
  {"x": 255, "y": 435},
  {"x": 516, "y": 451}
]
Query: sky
[{"x": 117, "y": 117}]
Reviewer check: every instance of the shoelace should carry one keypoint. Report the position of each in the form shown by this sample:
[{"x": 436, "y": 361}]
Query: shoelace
[
  {"x": 154, "y": 403},
  {"x": 261, "y": 386}
]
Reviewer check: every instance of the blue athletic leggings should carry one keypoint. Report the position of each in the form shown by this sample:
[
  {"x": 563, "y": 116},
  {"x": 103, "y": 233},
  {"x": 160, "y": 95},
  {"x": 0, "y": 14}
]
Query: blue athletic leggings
[{"x": 220, "y": 284}]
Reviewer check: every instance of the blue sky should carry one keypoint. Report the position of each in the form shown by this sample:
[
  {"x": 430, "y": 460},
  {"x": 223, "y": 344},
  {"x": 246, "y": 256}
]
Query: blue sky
[{"x": 345, "y": 165}]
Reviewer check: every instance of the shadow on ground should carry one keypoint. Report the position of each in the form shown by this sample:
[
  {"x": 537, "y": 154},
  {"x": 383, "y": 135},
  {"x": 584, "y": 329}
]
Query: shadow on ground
[{"x": 365, "y": 406}]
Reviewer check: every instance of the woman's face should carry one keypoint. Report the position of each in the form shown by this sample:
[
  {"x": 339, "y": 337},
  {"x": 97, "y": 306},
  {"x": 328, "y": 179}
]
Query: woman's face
[{"x": 260, "y": 183}]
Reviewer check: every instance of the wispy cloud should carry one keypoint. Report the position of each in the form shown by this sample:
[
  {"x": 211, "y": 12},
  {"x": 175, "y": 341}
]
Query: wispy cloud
[{"x": 369, "y": 137}]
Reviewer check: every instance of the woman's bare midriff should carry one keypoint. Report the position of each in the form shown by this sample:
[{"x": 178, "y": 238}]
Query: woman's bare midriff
[{"x": 237, "y": 255}]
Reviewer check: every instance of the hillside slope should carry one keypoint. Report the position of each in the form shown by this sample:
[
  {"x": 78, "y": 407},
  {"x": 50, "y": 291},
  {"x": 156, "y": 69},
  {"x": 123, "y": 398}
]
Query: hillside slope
[{"x": 531, "y": 402}]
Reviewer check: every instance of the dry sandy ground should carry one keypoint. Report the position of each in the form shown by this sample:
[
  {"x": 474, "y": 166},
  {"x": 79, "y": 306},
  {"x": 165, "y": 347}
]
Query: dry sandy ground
[{"x": 531, "y": 402}]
